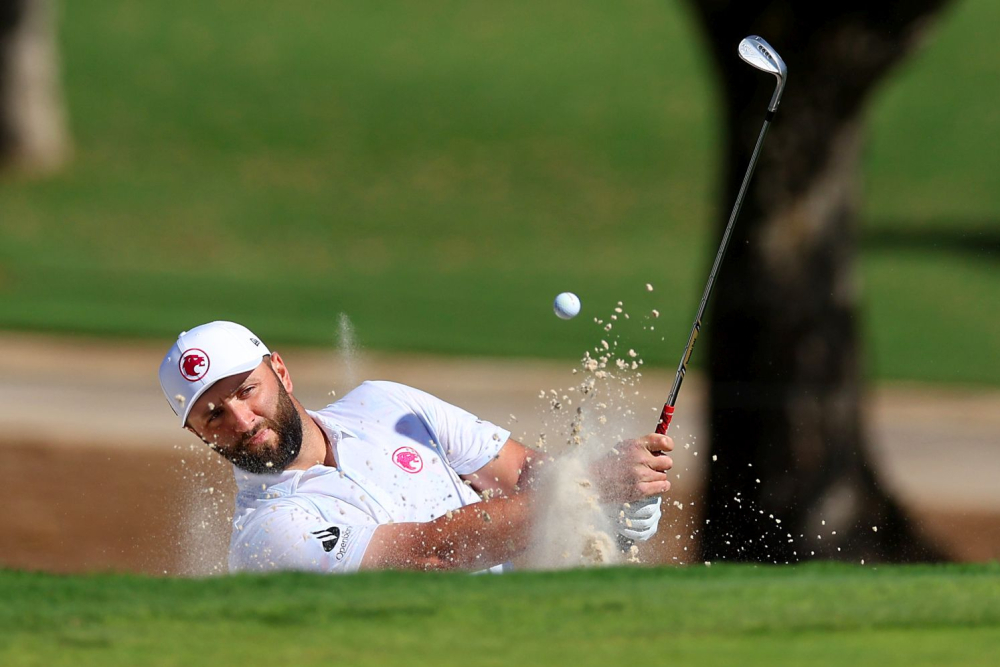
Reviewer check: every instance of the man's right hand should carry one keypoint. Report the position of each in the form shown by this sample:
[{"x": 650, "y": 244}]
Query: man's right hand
[{"x": 632, "y": 471}]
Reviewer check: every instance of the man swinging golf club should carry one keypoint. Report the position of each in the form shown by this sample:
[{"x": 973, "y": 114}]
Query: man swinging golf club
[{"x": 387, "y": 477}]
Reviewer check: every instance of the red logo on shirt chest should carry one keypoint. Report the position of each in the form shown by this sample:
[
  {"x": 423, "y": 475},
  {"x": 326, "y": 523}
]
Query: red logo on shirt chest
[{"x": 408, "y": 459}]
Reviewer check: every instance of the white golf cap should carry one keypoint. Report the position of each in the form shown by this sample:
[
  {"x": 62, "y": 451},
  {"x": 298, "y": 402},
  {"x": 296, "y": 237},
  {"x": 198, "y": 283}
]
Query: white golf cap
[{"x": 203, "y": 356}]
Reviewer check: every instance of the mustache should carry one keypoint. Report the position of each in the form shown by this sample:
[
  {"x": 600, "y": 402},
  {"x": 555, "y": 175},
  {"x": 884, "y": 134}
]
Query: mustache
[
  {"x": 266, "y": 459},
  {"x": 245, "y": 439}
]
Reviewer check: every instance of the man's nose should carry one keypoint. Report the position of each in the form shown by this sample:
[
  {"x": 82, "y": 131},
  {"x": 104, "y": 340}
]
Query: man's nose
[{"x": 243, "y": 417}]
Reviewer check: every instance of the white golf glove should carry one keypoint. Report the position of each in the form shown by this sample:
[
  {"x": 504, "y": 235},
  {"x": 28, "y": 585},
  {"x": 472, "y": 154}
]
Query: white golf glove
[{"x": 639, "y": 519}]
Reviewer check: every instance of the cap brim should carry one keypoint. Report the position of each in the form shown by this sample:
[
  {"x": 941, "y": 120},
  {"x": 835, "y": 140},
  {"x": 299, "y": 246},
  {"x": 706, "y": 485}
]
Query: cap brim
[{"x": 236, "y": 370}]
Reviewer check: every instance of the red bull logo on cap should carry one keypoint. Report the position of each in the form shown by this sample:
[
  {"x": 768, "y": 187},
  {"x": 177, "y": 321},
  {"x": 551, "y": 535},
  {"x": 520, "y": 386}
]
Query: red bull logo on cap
[
  {"x": 408, "y": 459},
  {"x": 193, "y": 364}
]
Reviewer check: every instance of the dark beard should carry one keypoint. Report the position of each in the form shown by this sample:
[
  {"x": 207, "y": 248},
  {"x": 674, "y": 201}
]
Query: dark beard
[{"x": 287, "y": 425}]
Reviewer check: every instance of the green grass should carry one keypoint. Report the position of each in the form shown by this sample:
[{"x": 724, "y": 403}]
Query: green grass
[
  {"x": 440, "y": 170},
  {"x": 723, "y": 615}
]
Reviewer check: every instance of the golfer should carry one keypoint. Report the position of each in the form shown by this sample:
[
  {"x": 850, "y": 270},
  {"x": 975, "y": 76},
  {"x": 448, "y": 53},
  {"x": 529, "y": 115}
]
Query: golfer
[{"x": 387, "y": 477}]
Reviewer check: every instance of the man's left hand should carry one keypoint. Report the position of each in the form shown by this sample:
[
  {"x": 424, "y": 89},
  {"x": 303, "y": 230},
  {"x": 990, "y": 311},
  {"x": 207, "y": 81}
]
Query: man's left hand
[{"x": 639, "y": 519}]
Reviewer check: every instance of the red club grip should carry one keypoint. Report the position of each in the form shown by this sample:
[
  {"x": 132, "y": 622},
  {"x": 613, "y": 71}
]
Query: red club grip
[{"x": 665, "y": 417}]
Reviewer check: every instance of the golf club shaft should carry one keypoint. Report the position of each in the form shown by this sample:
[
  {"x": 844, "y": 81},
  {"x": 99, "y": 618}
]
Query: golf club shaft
[
  {"x": 668, "y": 408},
  {"x": 755, "y": 51},
  {"x": 624, "y": 543}
]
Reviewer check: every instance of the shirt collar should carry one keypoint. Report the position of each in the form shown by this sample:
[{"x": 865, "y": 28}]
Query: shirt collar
[
  {"x": 334, "y": 430},
  {"x": 261, "y": 482},
  {"x": 258, "y": 483}
]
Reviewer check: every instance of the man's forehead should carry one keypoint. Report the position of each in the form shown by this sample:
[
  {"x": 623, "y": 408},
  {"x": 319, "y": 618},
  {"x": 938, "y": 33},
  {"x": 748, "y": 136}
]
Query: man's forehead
[{"x": 225, "y": 388}]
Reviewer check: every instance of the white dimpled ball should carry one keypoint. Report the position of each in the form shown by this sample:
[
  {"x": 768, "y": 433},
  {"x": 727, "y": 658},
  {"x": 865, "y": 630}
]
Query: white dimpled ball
[{"x": 567, "y": 305}]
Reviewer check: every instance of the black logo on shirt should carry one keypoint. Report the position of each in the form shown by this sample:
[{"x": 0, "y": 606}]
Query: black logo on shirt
[{"x": 328, "y": 537}]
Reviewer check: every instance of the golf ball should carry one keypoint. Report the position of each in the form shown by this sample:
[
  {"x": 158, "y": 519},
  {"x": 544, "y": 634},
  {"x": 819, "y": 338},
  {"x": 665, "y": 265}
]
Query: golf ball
[{"x": 567, "y": 305}]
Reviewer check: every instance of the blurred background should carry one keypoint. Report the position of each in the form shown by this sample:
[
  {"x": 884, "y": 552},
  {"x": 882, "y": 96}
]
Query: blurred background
[{"x": 399, "y": 190}]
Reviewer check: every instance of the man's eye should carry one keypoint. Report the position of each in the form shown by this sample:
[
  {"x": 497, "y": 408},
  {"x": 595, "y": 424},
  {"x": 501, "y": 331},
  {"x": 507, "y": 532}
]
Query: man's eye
[
  {"x": 246, "y": 391},
  {"x": 212, "y": 417}
]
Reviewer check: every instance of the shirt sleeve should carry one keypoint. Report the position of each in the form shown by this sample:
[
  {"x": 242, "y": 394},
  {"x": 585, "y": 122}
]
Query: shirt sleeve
[
  {"x": 466, "y": 441},
  {"x": 284, "y": 536}
]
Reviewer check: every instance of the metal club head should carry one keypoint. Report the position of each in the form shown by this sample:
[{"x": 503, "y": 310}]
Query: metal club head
[{"x": 758, "y": 53}]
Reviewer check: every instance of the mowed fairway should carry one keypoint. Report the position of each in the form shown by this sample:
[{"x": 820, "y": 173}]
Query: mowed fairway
[
  {"x": 720, "y": 615},
  {"x": 440, "y": 170}
]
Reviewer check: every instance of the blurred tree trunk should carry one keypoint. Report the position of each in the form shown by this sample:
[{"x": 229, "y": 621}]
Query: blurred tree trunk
[
  {"x": 33, "y": 133},
  {"x": 783, "y": 352}
]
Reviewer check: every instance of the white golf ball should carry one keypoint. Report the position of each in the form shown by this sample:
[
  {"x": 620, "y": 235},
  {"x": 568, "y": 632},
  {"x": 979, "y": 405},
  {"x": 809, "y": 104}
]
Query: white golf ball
[{"x": 567, "y": 305}]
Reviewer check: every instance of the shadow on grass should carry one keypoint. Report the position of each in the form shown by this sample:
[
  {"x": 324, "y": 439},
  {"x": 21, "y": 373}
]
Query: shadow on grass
[{"x": 974, "y": 239}]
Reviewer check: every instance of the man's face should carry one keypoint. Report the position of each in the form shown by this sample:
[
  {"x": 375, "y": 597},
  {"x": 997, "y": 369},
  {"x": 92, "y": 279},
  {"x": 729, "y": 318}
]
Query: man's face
[{"x": 251, "y": 420}]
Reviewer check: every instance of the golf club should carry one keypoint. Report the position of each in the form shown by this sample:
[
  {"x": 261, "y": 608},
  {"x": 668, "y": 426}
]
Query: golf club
[{"x": 758, "y": 53}]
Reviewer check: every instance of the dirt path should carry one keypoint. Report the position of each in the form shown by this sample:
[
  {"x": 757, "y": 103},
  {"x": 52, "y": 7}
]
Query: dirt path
[{"x": 101, "y": 475}]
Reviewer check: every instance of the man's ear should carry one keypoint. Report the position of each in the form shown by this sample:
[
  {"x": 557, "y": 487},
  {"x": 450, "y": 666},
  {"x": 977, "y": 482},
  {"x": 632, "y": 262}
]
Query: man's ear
[{"x": 279, "y": 368}]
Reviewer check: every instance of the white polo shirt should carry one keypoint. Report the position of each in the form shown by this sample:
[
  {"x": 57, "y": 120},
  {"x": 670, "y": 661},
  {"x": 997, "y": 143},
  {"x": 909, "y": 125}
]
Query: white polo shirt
[{"x": 399, "y": 453}]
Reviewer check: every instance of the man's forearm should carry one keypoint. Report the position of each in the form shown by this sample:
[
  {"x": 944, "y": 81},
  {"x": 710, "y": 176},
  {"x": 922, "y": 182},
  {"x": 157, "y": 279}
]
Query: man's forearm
[
  {"x": 500, "y": 527},
  {"x": 474, "y": 537}
]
